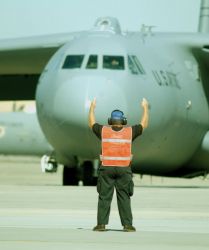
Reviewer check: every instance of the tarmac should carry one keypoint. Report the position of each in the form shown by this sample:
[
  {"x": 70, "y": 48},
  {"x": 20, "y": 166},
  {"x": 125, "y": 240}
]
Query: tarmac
[{"x": 37, "y": 212}]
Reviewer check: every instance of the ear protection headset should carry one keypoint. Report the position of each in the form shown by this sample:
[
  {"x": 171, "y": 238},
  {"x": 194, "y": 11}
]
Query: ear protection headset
[{"x": 117, "y": 115}]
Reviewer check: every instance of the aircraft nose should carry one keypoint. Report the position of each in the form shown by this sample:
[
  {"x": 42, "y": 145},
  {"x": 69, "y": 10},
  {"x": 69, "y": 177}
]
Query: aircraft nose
[{"x": 74, "y": 96}]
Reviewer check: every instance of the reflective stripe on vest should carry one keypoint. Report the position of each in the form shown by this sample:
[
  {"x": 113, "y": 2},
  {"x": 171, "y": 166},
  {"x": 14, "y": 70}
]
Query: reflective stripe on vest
[
  {"x": 116, "y": 140},
  {"x": 116, "y": 147},
  {"x": 116, "y": 158}
]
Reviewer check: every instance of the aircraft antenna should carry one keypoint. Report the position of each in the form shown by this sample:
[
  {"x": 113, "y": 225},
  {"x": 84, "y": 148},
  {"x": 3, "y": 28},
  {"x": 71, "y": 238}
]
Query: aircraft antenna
[
  {"x": 147, "y": 29},
  {"x": 204, "y": 17}
]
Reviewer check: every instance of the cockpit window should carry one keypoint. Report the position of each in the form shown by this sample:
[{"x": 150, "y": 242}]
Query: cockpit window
[
  {"x": 92, "y": 62},
  {"x": 113, "y": 62},
  {"x": 132, "y": 66},
  {"x": 135, "y": 66},
  {"x": 73, "y": 62},
  {"x": 138, "y": 65}
]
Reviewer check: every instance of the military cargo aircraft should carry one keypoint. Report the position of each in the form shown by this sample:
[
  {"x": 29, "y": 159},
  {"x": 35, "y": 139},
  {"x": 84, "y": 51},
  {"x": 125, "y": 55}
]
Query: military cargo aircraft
[{"x": 65, "y": 72}]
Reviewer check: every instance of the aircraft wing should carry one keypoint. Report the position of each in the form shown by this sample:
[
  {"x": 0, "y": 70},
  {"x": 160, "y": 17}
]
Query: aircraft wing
[{"x": 22, "y": 60}]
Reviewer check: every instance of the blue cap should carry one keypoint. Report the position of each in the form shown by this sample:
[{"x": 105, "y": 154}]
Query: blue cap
[{"x": 117, "y": 115}]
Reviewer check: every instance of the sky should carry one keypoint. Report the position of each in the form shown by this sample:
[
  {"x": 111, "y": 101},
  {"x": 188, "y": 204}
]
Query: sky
[{"x": 22, "y": 18}]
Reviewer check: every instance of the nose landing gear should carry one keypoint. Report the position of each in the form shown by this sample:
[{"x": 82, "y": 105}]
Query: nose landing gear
[
  {"x": 89, "y": 174},
  {"x": 86, "y": 172},
  {"x": 70, "y": 176}
]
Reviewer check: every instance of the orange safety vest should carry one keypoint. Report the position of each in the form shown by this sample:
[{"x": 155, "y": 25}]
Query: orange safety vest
[{"x": 116, "y": 147}]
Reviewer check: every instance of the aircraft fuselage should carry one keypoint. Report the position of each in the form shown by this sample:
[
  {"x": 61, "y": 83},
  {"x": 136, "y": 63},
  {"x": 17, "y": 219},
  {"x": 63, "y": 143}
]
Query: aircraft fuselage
[{"x": 153, "y": 66}]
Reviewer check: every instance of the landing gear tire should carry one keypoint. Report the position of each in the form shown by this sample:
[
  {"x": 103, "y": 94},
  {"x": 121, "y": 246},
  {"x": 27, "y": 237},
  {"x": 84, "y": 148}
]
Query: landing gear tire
[
  {"x": 88, "y": 174},
  {"x": 70, "y": 176}
]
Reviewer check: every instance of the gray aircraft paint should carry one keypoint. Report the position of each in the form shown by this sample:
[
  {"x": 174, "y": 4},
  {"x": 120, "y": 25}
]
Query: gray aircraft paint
[{"x": 175, "y": 84}]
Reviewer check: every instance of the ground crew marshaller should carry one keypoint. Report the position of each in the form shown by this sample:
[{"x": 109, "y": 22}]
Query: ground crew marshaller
[{"x": 115, "y": 169}]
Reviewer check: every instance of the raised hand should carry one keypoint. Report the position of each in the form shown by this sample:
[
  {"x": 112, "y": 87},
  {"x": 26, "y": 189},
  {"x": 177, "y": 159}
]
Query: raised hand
[
  {"x": 93, "y": 103},
  {"x": 144, "y": 103}
]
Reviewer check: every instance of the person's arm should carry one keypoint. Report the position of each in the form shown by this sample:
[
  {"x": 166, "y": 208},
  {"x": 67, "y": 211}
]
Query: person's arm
[
  {"x": 92, "y": 119},
  {"x": 145, "y": 116}
]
